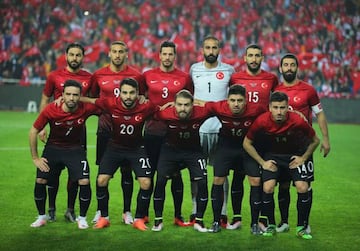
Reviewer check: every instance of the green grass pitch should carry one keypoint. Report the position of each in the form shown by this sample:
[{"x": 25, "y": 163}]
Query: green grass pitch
[{"x": 334, "y": 219}]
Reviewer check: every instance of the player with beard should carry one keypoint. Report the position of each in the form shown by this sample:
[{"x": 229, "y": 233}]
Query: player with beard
[
  {"x": 302, "y": 98},
  {"x": 162, "y": 84},
  {"x": 63, "y": 148},
  {"x": 74, "y": 56},
  {"x": 105, "y": 83},
  {"x": 211, "y": 83},
  {"x": 182, "y": 149},
  {"x": 258, "y": 84},
  {"x": 289, "y": 143},
  {"x": 125, "y": 148}
]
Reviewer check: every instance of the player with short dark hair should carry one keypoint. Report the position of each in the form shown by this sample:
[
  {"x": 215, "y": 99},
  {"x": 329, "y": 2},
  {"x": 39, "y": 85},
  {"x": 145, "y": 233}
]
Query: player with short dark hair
[
  {"x": 125, "y": 148},
  {"x": 181, "y": 148},
  {"x": 64, "y": 147},
  {"x": 74, "y": 55},
  {"x": 211, "y": 83},
  {"x": 258, "y": 84},
  {"x": 236, "y": 118},
  {"x": 302, "y": 98},
  {"x": 162, "y": 83},
  {"x": 106, "y": 84},
  {"x": 290, "y": 142}
]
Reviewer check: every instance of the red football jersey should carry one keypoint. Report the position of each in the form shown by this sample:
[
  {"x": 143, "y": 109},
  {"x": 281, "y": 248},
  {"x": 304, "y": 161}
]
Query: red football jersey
[
  {"x": 161, "y": 88},
  {"x": 127, "y": 124},
  {"x": 55, "y": 82},
  {"x": 302, "y": 97},
  {"x": 183, "y": 133},
  {"x": 291, "y": 137},
  {"x": 258, "y": 88},
  {"x": 234, "y": 127},
  {"x": 106, "y": 83},
  {"x": 66, "y": 129}
]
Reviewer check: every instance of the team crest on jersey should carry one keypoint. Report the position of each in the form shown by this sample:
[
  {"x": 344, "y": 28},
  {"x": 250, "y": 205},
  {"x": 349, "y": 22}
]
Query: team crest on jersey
[
  {"x": 80, "y": 121},
  {"x": 176, "y": 83},
  {"x": 127, "y": 117},
  {"x": 220, "y": 75},
  {"x": 138, "y": 118},
  {"x": 84, "y": 84},
  {"x": 297, "y": 99},
  {"x": 196, "y": 126},
  {"x": 247, "y": 123},
  {"x": 264, "y": 85}
]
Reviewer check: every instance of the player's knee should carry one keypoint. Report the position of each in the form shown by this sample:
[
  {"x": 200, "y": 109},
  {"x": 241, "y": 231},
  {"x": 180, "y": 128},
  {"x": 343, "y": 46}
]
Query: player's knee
[
  {"x": 254, "y": 181},
  {"x": 102, "y": 180},
  {"x": 301, "y": 186},
  {"x": 218, "y": 180},
  {"x": 41, "y": 181},
  {"x": 268, "y": 186},
  {"x": 83, "y": 182},
  {"x": 145, "y": 183}
]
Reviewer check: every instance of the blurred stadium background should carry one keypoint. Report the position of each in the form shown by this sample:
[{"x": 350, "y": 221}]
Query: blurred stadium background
[{"x": 323, "y": 34}]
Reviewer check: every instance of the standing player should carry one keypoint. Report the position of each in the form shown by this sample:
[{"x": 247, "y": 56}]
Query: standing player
[
  {"x": 181, "y": 148},
  {"x": 54, "y": 85},
  {"x": 258, "y": 84},
  {"x": 106, "y": 84},
  {"x": 162, "y": 84},
  {"x": 236, "y": 119},
  {"x": 303, "y": 98},
  {"x": 211, "y": 83},
  {"x": 290, "y": 142},
  {"x": 64, "y": 147},
  {"x": 125, "y": 147}
]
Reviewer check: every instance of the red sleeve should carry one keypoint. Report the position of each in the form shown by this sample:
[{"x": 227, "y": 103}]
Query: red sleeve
[
  {"x": 49, "y": 87},
  {"x": 95, "y": 90}
]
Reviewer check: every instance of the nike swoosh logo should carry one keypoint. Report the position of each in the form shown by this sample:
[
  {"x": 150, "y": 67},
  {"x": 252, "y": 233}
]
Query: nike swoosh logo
[
  {"x": 304, "y": 176},
  {"x": 115, "y": 116},
  {"x": 58, "y": 123},
  {"x": 147, "y": 172},
  {"x": 153, "y": 81},
  {"x": 104, "y": 82},
  {"x": 85, "y": 173},
  {"x": 225, "y": 122},
  {"x": 172, "y": 126}
]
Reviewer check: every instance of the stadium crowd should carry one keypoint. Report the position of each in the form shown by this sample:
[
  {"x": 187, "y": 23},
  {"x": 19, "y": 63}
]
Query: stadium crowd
[{"x": 324, "y": 35}]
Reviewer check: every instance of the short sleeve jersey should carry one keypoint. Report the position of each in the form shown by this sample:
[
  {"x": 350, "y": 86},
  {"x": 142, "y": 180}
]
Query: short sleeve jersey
[
  {"x": 291, "y": 137},
  {"x": 106, "y": 84},
  {"x": 302, "y": 97},
  {"x": 161, "y": 88},
  {"x": 258, "y": 88},
  {"x": 55, "y": 82},
  {"x": 127, "y": 123},
  {"x": 211, "y": 85},
  {"x": 66, "y": 129},
  {"x": 234, "y": 127},
  {"x": 183, "y": 134}
]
